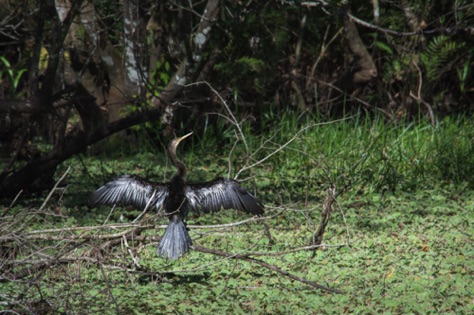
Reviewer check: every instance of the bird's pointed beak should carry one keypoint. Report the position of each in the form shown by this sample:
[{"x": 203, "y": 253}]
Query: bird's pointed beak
[{"x": 184, "y": 137}]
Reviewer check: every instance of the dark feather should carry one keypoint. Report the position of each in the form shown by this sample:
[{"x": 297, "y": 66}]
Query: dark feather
[
  {"x": 176, "y": 240},
  {"x": 130, "y": 190},
  {"x": 221, "y": 194}
]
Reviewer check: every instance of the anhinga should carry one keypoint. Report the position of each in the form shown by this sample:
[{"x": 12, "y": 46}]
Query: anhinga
[{"x": 177, "y": 198}]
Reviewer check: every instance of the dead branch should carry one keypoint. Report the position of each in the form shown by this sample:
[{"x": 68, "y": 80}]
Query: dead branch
[
  {"x": 317, "y": 238},
  {"x": 247, "y": 258},
  {"x": 54, "y": 189},
  {"x": 40, "y": 262}
]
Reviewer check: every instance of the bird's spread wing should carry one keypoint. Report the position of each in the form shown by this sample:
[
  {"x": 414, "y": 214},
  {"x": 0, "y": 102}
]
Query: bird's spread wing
[
  {"x": 130, "y": 190},
  {"x": 222, "y": 194}
]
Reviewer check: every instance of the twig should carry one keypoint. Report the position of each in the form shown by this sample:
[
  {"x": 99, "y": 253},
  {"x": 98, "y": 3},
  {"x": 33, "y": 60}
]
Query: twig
[
  {"x": 44, "y": 234},
  {"x": 54, "y": 189},
  {"x": 109, "y": 290},
  {"x": 345, "y": 222},
  {"x": 12, "y": 203},
  {"x": 266, "y": 265},
  {"x": 110, "y": 213},
  {"x": 287, "y": 143},
  {"x": 445, "y": 30},
  {"x": 146, "y": 207},
  {"x": 233, "y": 119},
  {"x": 361, "y": 101},
  {"x": 324, "y": 48},
  {"x": 16, "y": 198},
  {"x": 134, "y": 259},
  {"x": 71, "y": 237},
  {"x": 418, "y": 98},
  {"x": 236, "y": 123},
  {"x": 274, "y": 152},
  {"x": 129, "y": 233},
  {"x": 89, "y": 228},
  {"x": 148, "y": 226}
]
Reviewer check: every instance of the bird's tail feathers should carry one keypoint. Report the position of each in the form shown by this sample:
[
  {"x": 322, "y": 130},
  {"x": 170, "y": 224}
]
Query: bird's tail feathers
[{"x": 176, "y": 241}]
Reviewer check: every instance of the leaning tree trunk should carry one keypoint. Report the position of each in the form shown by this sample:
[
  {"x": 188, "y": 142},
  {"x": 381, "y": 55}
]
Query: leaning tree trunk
[
  {"x": 11, "y": 183},
  {"x": 366, "y": 70}
]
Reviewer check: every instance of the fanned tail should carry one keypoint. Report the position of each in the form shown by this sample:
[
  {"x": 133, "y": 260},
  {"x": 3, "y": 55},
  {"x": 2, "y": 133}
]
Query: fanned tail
[{"x": 176, "y": 241}]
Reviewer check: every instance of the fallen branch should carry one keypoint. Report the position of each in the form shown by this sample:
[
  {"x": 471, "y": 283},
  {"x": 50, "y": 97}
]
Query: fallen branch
[
  {"x": 38, "y": 265},
  {"x": 247, "y": 258},
  {"x": 69, "y": 239},
  {"x": 45, "y": 234}
]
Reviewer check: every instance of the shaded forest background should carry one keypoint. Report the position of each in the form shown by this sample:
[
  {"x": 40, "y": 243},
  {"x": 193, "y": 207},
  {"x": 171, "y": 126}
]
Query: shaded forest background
[{"x": 75, "y": 72}]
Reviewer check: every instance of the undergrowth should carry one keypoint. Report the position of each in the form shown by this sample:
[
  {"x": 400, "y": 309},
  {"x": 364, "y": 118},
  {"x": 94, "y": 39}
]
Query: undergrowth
[
  {"x": 372, "y": 154},
  {"x": 400, "y": 241}
]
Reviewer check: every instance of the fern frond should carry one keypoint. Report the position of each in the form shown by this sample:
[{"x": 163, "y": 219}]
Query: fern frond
[{"x": 438, "y": 55}]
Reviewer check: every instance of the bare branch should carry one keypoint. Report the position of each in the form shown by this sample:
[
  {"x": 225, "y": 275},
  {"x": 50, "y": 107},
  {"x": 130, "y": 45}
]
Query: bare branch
[
  {"x": 325, "y": 215},
  {"x": 283, "y": 146},
  {"x": 287, "y": 274},
  {"x": 15, "y": 269},
  {"x": 54, "y": 189}
]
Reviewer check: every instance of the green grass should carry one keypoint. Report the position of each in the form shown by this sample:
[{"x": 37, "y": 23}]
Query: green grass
[{"x": 400, "y": 241}]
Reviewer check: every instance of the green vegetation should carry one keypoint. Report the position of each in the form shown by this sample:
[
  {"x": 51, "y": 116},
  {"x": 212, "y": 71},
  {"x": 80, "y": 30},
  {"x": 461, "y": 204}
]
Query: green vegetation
[
  {"x": 8, "y": 73},
  {"x": 399, "y": 241}
]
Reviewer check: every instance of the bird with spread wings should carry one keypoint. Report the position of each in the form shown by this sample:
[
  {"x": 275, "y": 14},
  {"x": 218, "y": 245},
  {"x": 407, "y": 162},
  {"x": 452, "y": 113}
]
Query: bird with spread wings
[{"x": 176, "y": 198}]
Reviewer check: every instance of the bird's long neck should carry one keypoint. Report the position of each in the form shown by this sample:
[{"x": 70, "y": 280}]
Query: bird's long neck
[{"x": 180, "y": 167}]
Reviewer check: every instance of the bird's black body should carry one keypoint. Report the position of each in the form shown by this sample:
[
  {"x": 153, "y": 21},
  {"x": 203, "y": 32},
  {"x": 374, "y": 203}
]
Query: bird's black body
[
  {"x": 176, "y": 201},
  {"x": 177, "y": 198}
]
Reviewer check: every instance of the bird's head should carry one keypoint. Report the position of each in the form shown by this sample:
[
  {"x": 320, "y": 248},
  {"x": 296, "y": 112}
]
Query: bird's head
[
  {"x": 174, "y": 143},
  {"x": 181, "y": 168}
]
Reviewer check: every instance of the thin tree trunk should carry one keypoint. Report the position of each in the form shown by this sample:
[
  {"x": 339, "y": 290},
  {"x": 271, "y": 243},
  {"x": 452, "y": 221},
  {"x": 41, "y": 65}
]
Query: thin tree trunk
[{"x": 134, "y": 39}]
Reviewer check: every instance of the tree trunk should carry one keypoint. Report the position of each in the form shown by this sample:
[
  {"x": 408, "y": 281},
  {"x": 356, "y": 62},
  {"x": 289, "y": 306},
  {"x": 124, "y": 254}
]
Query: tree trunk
[
  {"x": 366, "y": 70},
  {"x": 134, "y": 40}
]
